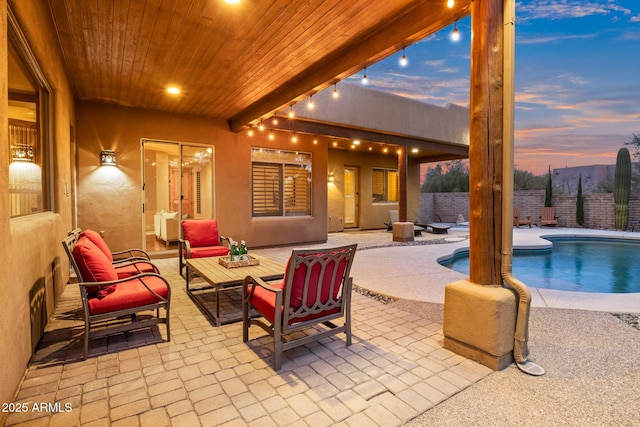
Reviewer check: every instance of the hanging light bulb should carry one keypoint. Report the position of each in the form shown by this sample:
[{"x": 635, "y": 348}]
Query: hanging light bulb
[
  {"x": 271, "y": 136},
  {"x": 294, "y": 137},
  {"x": 365, "y": 80},
  {"x": 274, "y": 120},
  {"x": 449, "y": 4},
  {"x": 311, "y": 105},
  {"x": 336, "y": 94},
  {"x": 403, "y": 59},
  {"x": 261, "y": 126},
  {"x": 455, "y": 36},
  {"x": 292, "y": 114},
  {"x": 250, "y": 132}
]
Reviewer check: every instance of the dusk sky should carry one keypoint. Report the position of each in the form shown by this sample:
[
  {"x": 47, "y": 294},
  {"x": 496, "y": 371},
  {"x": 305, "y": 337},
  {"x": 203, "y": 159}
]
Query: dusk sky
[{"x": 577, "y": 79}]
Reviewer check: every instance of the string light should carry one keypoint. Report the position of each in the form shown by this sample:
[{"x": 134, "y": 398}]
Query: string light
[
  {"x": 365, "y": 80},
  {"x": 336, "y": 94},
  {"x": 294, "y": 137},
  {"x": 292, "y": 114},
  {"x": 311, "y": 105},
  {"x": 271, "y": 136},
  {"x": 455, "y": 36},
  {"x": 250, "y": 132},
  {"x": 261, "y": 126},
  {"x": 274, "y": 120},
  {"x": 403, "y": 59}
]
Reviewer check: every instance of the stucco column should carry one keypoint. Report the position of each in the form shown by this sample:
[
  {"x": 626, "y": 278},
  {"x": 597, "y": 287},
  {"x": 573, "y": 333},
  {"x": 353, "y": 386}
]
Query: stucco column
[
  {"x": 403, "y": 162},
  {"x": 479, "y": 319},
  {"x": 402, "y": 230}
]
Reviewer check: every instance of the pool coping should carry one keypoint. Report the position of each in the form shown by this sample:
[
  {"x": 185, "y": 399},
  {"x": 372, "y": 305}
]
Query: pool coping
[{"x": 414, "y": 273}]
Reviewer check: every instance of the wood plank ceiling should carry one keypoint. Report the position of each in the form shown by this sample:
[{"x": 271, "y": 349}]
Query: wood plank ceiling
[{"x": 237, "y": 62}]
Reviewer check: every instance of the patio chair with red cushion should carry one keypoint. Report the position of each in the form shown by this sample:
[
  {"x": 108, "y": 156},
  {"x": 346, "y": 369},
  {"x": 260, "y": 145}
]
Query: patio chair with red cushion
[
  {"x": 127, "y": 263},
  {"x": 110, "y": 304},
  {"x": 315, "y": 291},
  {"x": 200, "y": 239}
]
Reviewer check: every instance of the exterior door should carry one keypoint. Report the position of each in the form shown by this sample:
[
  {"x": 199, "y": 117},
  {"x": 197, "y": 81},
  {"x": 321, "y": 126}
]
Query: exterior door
[
  {"x": 351, "y": 192},
  {"x": 177, "y": 183}
]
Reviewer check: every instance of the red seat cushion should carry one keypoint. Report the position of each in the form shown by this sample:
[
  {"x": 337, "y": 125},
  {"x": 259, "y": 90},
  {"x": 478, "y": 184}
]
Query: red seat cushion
[
  {"x": 97, "y": 240},
  {"x": 130, "y": 294},
  {"x": 201, "y": 232},
  {"x": 264, "y": 301},
  {"x": 128, "y": 270},
  {"x": 208, "y": 251}
]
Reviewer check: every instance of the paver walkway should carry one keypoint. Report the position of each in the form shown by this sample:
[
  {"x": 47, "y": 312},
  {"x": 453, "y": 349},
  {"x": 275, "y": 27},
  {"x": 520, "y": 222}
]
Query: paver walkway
[{"x": 395, "y": 370}]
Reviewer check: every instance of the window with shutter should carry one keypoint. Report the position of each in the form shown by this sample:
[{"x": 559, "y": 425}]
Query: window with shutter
[
  {"x": 281, "y": 183},
  {"x": 384, "y": 183}
]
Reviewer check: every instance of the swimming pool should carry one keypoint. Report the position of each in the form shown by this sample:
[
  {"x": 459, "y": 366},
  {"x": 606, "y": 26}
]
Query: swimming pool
[{"x": 573, "y": 264}]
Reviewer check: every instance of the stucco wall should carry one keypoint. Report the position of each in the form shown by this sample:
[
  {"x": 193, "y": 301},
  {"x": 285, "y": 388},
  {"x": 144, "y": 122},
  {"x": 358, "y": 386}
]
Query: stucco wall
[
  {"x": 33, "y": 267},
  {"x": 371, "y": 215},
  {"x": 110, "y": 199},
  {"x": 389, "y": 113}
]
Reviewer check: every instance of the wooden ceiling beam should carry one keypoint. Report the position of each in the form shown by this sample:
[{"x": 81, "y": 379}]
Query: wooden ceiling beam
[
  {"x": 425, "y": 18},
  {"x": 450, "y": 151}
]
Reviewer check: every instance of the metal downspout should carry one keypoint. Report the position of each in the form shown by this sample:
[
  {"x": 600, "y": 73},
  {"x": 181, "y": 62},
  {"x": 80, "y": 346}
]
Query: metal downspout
[{"x": 520, "y": 348}]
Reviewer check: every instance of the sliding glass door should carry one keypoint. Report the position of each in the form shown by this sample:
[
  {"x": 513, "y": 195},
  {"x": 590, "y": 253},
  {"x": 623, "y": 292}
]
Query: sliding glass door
[{"x": 177, "y": 184}]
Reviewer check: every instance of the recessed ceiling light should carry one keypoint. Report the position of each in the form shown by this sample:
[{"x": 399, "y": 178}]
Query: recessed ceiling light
[
  {"x": 173, "y": 90},
  {"x": 232, "y": 1}
]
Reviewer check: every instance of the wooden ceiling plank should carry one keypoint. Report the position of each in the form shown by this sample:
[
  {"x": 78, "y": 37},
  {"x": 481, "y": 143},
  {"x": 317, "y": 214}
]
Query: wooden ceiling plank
[
  {"x": 118, "y": 46},
  {"x": 303, "y": 61},
  {"x": 146, "y": 90},
  {"x": 283, "y": 61},
  {"x": 233, "y": 56},
  {"x": 298, "y": 41},
  {"x": 193, "y": 71},
  {"x": 61, "y": 24}
]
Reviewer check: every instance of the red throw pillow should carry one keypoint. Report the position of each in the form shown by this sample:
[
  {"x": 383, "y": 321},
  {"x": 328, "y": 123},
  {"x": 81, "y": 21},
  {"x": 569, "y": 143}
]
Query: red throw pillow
[
  {"x": 201, "y": 232},
  {"x": 93, "y": 263},
  {"x": 97, "y": 240}
]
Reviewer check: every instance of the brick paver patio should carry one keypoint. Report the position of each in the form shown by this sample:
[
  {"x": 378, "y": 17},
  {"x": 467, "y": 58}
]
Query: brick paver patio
[{"x": 395, "y": 370}]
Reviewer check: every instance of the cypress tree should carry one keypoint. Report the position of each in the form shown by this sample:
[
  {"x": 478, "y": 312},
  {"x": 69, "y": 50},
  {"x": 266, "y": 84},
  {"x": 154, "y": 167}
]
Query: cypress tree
[
  {"x": 580, "y": 203},
  {"x": 548, "y": 194}
]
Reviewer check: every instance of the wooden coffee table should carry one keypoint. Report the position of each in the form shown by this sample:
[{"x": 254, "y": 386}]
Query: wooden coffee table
[{"x": 218, "y": 278}]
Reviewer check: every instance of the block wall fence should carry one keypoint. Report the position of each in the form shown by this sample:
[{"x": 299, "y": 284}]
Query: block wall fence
[{"x": 598, "y": 208}]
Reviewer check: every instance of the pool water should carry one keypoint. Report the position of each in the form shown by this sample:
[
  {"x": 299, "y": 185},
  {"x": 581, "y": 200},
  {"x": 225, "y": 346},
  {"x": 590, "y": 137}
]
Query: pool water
[{"x": 585, "y": 265}]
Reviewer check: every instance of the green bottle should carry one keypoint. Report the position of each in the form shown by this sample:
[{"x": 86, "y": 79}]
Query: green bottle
[{"x": 243, "y": 251}]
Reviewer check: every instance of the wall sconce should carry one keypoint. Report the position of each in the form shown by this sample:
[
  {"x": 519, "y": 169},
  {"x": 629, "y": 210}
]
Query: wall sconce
[
  {"x": 331, "y": 178},
  {"x": 22, "y": 153},
  {"x": 108, "y": 157}
]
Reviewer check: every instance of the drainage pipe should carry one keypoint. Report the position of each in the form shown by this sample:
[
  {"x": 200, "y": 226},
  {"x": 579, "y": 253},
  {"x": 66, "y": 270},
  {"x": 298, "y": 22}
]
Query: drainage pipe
[{"x": 520, "y": 348}]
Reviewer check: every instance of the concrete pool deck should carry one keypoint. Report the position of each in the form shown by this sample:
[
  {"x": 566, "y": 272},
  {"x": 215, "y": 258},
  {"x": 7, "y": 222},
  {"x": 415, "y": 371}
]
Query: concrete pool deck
[{"x": 412, "y": 272}]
